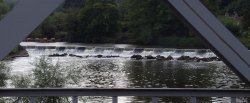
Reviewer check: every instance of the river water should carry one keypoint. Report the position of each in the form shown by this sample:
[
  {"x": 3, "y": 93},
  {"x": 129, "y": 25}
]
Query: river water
[{"x": 123, "y": 72}]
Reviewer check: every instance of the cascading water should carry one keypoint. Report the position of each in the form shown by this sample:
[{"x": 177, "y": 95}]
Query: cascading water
[
  {"x": 123, "y": 72},
  {"x": 121, "y": 52}
]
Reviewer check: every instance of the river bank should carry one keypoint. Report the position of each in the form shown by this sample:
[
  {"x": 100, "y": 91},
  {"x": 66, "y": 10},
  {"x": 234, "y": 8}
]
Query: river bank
[{"x": 19, "y": 51}]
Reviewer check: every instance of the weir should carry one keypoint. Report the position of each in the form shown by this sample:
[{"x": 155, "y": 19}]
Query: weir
[{"x": 121, "y": 52}]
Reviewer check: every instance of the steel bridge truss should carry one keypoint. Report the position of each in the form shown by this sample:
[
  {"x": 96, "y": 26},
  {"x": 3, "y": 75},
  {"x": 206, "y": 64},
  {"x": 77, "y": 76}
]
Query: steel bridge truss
[{"x": 28, "y": 14}]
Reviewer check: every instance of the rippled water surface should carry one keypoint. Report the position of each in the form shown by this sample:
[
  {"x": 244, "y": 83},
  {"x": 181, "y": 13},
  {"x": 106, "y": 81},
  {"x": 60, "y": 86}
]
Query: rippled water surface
[{"x": 127, "y": 73}]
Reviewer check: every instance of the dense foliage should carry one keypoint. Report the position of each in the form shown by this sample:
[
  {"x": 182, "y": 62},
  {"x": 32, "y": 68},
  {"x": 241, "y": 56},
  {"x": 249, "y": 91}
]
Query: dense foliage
[
  {"x": 98, "y": 18},
  {"x": 147, "y": 22},
  {"x": 151, "y": 20},
  {"x": 4, "y": 8},
  {"x": 241, "y": 7},
  {"x": 44, "y": 75},
  {"x": 4, "y": 70}
]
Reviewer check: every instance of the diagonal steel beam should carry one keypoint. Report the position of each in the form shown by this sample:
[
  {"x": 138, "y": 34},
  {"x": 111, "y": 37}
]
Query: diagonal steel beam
[
  {"x": 221, "y": 31},
  {"x": 22, "y": 20},
  {"x": 221, "y": 41}
]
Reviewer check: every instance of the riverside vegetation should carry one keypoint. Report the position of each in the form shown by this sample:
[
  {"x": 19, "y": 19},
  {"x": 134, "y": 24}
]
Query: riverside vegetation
[
  {"x": 106, "y": 21},
  {"x": 147, "y": 22},
  {"x": 44, "y": 75}
]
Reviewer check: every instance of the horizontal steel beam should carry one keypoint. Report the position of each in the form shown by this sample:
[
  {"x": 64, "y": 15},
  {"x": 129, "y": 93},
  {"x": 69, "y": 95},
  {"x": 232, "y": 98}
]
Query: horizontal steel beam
[
  {"x": 153, "y": 92},
  {"x": 221, "y": 41}
]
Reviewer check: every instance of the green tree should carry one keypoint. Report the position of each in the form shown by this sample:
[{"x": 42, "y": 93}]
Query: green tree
[
  {"x": 212, "y": 5},
  {"x": 224, "y": 3},
  {"x": 4, "y": 8},
  {"x": 72, "y": 26},
  {"x": 4, "y": 72},
  {"x": 149, "y": 20},
  {"x": 52, "y": 26},
  {"x": 47, "y": 75},
  {"x": 21, "y": 81},
  {"x": 98, "y": 20},
  {"x": 241, "y": 7},
  {"x": 232, "y": 24}
]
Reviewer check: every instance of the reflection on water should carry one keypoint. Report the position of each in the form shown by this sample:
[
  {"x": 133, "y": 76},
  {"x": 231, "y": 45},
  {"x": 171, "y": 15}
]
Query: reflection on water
[
  {"x": 172, "y": 74},
  {"x": 122, "y": 72},
  {"x": 126, "y": 73}
]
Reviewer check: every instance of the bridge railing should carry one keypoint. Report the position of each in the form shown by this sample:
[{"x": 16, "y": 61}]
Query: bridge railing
[{"x": 155, "y": 93}]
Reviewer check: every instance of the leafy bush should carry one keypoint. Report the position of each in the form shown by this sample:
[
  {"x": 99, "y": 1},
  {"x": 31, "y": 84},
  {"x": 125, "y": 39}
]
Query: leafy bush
[
  {"x": 232, "y": 24},
  {"x": 245, "y": 39},
  {"x": 4, "y": 72},
  {"x": 241, "y": 7},
  {"x": 44, "y": 75},
  {"x": 4, "y": 8},
  {"x": 21, "y": 81},
  {"x": 47, "y": 75}
]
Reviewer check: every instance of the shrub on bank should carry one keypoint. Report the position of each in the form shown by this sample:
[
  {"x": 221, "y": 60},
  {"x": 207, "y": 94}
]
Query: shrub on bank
[
  {"x": 44, "y": 75},
  {"x": 4, "y": 72}
]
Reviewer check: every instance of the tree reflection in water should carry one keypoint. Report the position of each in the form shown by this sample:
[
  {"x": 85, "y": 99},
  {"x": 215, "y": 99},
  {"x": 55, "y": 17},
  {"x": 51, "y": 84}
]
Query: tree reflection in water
[{"x": 171, "y": 74}]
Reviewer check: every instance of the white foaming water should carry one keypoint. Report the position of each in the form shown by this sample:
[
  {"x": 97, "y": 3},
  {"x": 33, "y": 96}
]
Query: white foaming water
[
  {"x": 100, "y": 69},
  {"x": 111, "y": 52},
  {"x": 121, "y": 50},
  {"x": 123, "y": 54}
]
